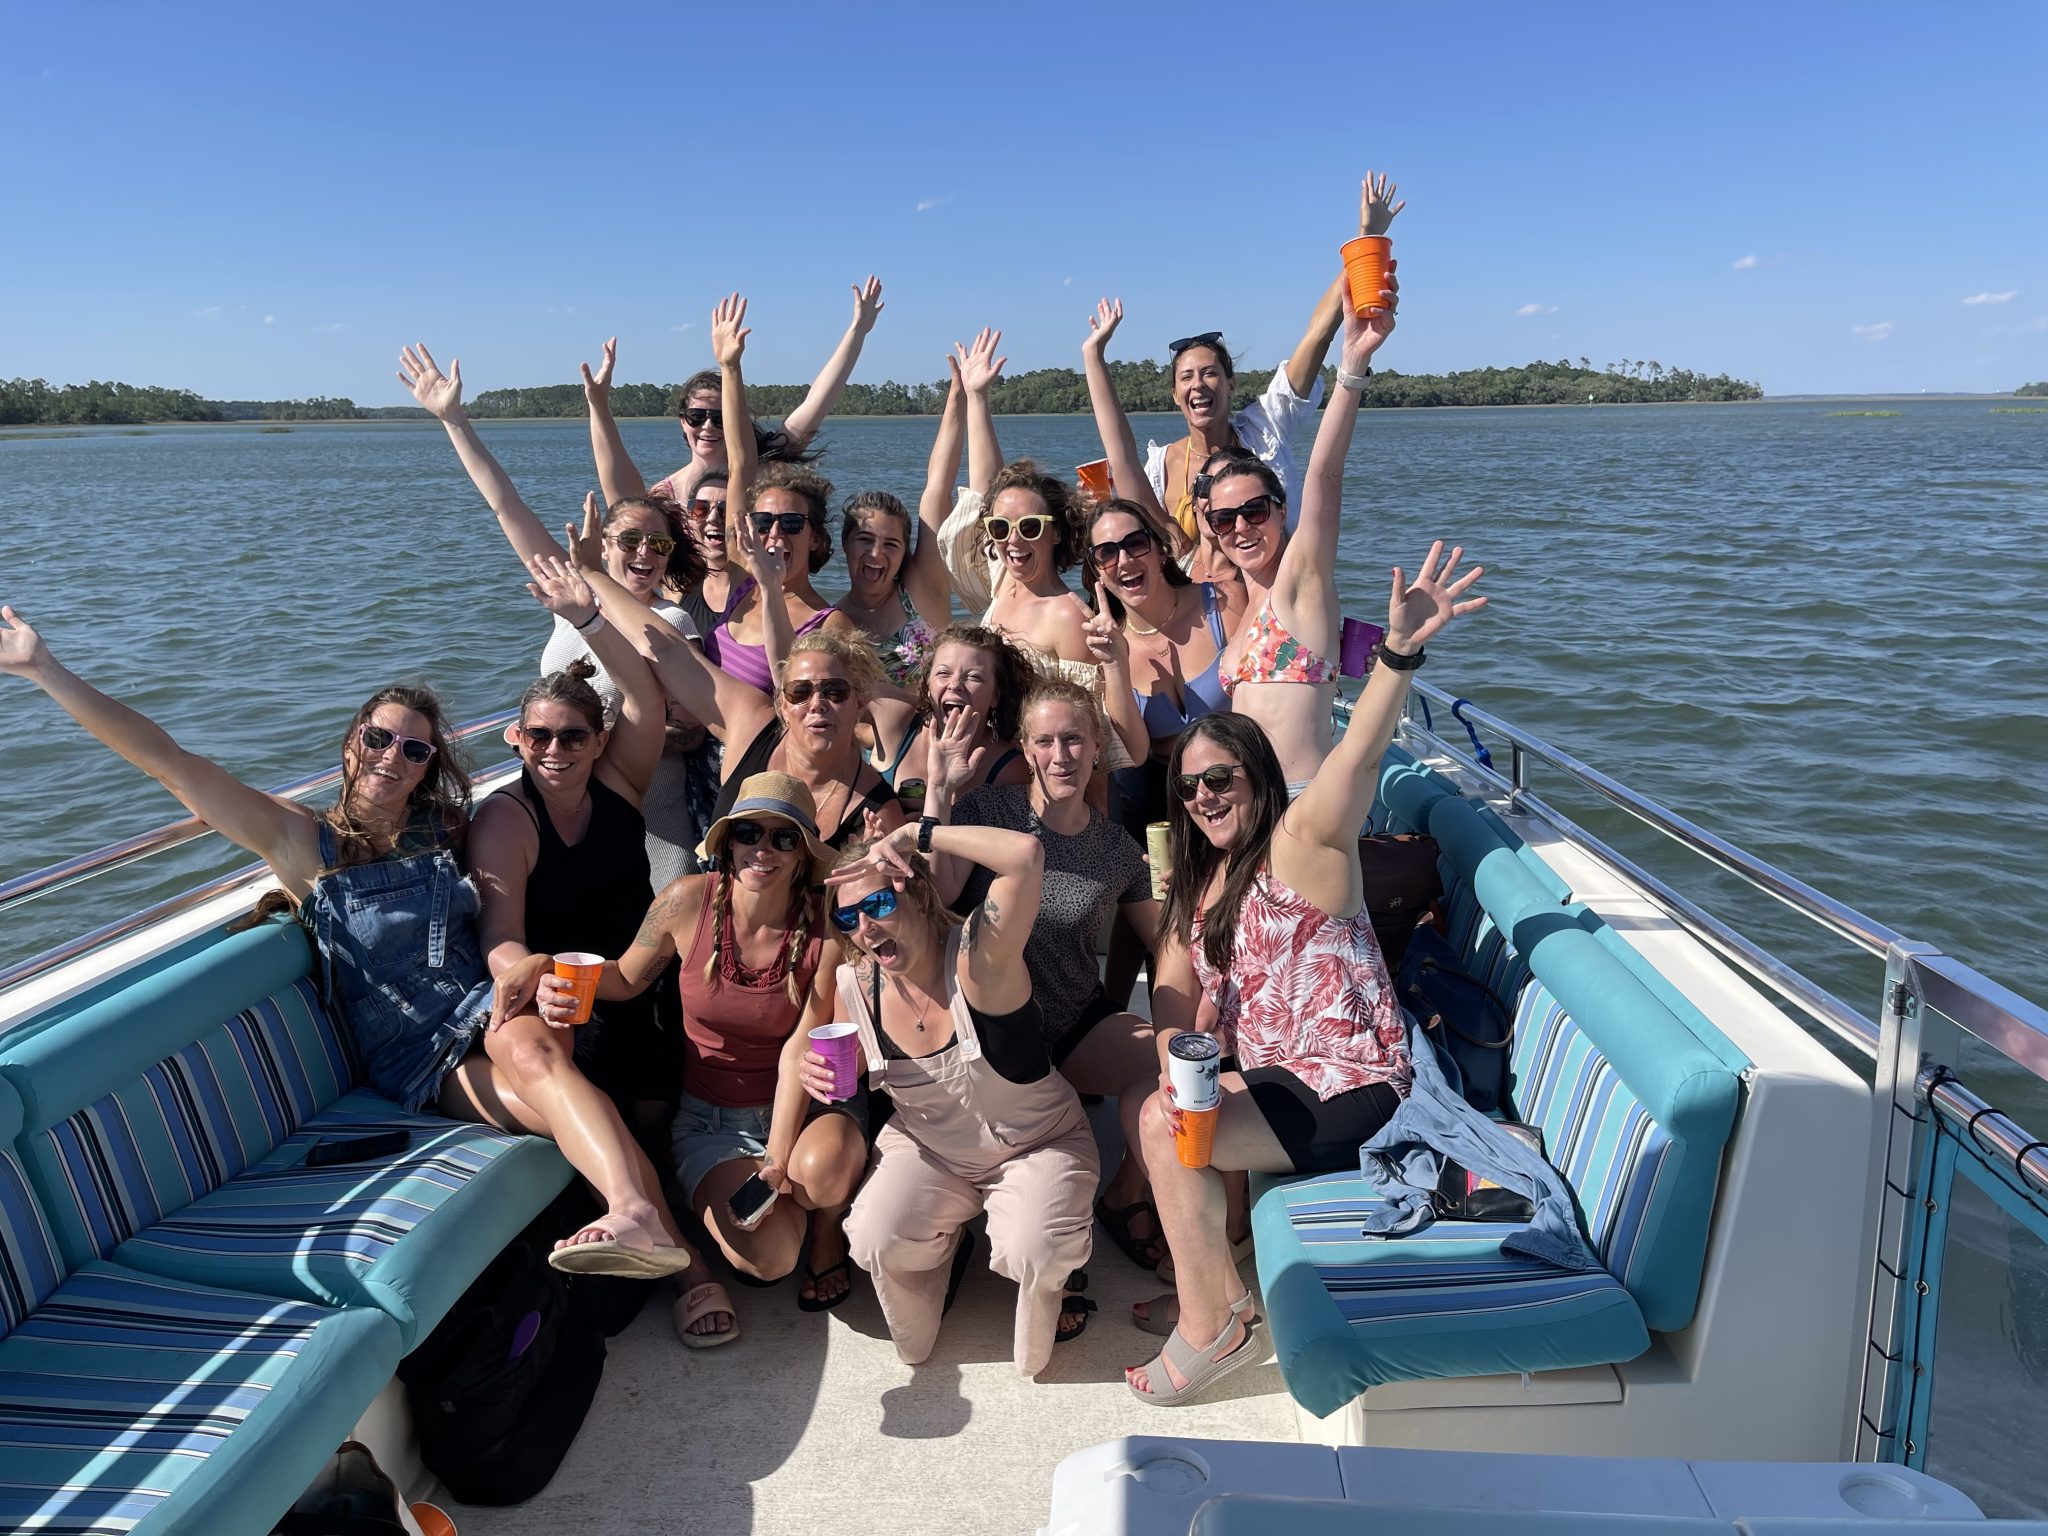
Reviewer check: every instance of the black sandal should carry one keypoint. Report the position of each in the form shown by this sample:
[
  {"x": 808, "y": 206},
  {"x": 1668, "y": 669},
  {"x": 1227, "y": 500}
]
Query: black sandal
[
  {"x": 1146, "y": 1252},
  {"x": 1074, "y": 1304},
  {"x": 817, "y": 1303}
]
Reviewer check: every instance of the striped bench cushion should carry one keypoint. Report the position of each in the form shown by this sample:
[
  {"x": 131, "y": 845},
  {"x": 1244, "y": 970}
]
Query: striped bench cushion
[
  {"x": 190, "y": 1122},
  {"x": 1595, "y": 1130},
  {"x": 132, "y": 1403},
  {"x": 29, "y": 1266},
  {"x": 404, "y": 1233},
  {"x": 1445, "y": 1303}
]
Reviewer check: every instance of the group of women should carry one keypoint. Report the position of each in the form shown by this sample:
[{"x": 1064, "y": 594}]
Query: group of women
[{"x": 767, "y": 811}]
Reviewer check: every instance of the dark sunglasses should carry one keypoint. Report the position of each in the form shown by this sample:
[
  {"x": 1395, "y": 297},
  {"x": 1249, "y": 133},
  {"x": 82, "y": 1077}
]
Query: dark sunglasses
[
  {"x": 630, "y": 539},
  {"x": 833, "y": 690},
  {"x": 1135, "y": 543},
  {"x": 1206, "y": 339},
  {"x": 375, "y": 738},
  {"x": 781, "y": 839},
  {"x": 702, "y": 508},
  {"x": 1216, "y": 778},
  {"x": 877, "y": 904},
  {"x": 697, "y": 415},
  {"x": 1029, "y": 528},
  {"x": 791, "y": 523},
  {"x": 540, "y": 738},
  {"x": 1254, "y": 512}
]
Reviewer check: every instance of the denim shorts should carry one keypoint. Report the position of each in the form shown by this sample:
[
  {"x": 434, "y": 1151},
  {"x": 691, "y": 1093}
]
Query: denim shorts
[{"x": 704, "y": 1135}]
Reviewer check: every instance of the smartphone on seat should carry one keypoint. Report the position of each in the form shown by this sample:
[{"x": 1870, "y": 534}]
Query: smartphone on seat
[
  {"x": 751, "y": 1202},
  {"x": 329, "y": 1150}
]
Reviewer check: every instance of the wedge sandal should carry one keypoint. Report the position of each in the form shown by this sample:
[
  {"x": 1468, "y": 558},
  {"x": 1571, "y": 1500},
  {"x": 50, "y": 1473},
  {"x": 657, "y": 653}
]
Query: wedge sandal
[{"x": 1198, "y": 1365}]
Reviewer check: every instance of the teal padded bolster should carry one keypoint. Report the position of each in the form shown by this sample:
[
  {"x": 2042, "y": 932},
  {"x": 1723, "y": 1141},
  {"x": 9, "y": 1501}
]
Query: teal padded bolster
[
  {"x": 60, "y": 1069},
  {"x": 1546, "y": 877},
  {"x": 1725, "y": 1050},
  {"x": 130, "y": 1402},
  {"x": 1409, "y": 788},
  {"x": 1505, "y": 886}
]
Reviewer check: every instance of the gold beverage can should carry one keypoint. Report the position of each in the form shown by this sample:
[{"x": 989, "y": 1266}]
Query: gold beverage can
[{"x": 1159, "y": 854}]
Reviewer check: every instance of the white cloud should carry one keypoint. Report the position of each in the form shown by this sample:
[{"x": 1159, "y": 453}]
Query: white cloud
[
  {"x": 1993, "y": 298},
  {"x": 927, "y": 204},
  {"x": 328, "y": 330},
  {"x": 1535, "y": 309},
  {"x": 270, "y": 319},
  {"x": 1881, "y": 331},
  {"x": 687, "y": 325},
  {"x": 1748, "y": 263},
  {"x": 207, "y": 313}
]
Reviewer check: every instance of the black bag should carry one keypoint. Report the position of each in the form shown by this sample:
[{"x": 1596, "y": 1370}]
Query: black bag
[
  {"x": 1402, "y": 882},
  {"x": 500, "y": 1387},
  {"x": 1461, "y": 1195},
  {"x": 1463, "y": 1018}
]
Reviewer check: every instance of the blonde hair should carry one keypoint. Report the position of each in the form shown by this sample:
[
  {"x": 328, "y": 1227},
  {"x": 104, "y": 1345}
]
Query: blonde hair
[
  {"x": 1063, "y": 690},
  {"x": 855, "y": 655}
]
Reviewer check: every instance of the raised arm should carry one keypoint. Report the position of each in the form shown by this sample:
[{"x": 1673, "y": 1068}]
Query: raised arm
[
  {"x": 283, "y": 834},
  {"x": 924, "y": 572},
  {"x": 1329, "y": 812},
  {"x": 802, "y": 423},
  {"x": 729, "y": 333},
  {"x": 979, "y": 370},
  {"x": 633, "y": 750},
  {"x": 442, "y": 396},
  {"x": 617, "y": 476},
  {"x": 1112, "y": 425},
  {"x": 1376, "y": 210}
]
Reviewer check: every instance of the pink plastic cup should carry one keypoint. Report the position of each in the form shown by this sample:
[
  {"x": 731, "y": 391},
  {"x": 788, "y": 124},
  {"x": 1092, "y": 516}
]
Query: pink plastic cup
[
  {"x": 840, "y": 1045},
  {"x": 1354, "y": 653}
]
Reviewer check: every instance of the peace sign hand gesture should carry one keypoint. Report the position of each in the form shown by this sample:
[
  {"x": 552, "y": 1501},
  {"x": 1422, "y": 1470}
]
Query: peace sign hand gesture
[
  {"x": 979, "y": 365},
  {"x": 1107, "y": 642},
  {"x": 597, "y": 387},
  {"x": 1420, "y": 609},
  {"x": 586, "y": 543},
  {"x": 729, "y": 330},
  {"x": 440, "y": 394}
]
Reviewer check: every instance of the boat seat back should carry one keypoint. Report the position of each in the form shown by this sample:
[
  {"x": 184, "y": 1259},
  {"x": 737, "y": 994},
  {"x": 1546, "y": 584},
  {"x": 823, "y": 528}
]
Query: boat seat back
[{"x": 30, "y": 1268}]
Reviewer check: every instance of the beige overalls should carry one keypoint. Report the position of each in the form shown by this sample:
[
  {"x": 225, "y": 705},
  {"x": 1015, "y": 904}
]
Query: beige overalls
[{"x": 966, "y": 1139}]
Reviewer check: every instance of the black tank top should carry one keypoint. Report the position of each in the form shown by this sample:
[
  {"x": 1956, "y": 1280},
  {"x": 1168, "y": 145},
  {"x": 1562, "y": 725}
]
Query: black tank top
[
  {"x": 592, "y": 896},
  {"x": 755, "y": 760}
]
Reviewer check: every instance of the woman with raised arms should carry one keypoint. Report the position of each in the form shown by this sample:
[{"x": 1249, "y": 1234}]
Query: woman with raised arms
[
  {"x": 363, "y": 875},
  {"x": 1266, "y": 943}
]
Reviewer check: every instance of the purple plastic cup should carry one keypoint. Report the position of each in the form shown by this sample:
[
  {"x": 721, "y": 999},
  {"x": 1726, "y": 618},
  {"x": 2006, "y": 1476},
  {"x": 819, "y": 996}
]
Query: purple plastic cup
[
  {"x": 840, "y": 1045},
  {"x": 1354, "y": 654}
]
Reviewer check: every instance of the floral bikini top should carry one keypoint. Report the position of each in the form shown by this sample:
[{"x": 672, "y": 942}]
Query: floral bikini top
[
  {"x": 1272, "y": 655},
  {"x": 904, "y": 654}
]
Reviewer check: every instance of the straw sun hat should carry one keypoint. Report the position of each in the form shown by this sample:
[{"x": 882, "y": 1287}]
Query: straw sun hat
[{"x": 763, "y": 796}]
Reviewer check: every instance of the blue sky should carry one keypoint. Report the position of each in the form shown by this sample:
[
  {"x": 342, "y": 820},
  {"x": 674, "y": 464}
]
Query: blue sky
[{"x": 258, "y": 202}]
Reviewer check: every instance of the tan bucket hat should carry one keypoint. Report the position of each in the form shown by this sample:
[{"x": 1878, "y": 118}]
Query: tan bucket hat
[{"x": 776, "y": 795}]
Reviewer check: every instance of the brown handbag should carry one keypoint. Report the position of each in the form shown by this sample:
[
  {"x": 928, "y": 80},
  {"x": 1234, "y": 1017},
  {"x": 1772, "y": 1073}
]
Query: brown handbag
[{"x": 1402, "y": 884}]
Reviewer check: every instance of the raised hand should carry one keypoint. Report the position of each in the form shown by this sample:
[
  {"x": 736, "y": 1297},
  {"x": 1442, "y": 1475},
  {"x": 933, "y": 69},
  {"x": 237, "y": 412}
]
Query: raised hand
[
  {"x": 417, "y": 371},
  {"x": 1374, "y": 212},
  {"x": 1365, "y": 333},
  {"x": 597, "y": 387},
  {"x": 1107, "y": 642},
  {"x": 585, "y": 543},
  {"x": 559, "y": 588},
  {"x": 867, "y": 305},
  {"x": 957, "y": 759},
  {"x": 729, "y": 330},
  {"x": 22, "y": 651},
  {"x": 888, "y": 855},
  {"x": 1109, "y": 314},
  {"x": 979, "y": 365},
  {"x": 1419, "y": 609},
  {"x": 764, "y": 563}
]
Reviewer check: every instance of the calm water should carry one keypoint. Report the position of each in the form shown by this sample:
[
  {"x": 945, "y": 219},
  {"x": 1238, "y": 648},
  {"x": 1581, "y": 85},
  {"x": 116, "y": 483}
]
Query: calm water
[{"x": 1819, "y": 635}]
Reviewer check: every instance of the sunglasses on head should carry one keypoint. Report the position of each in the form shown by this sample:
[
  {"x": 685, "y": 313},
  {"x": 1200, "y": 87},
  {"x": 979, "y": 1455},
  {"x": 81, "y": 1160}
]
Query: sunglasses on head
[
  {"x": 781, "y": 839},
  {"x": 630, "y": 539},
  {"x": 375, "y": 738},
  {"x": 540, "y": 738},
  {"x": 1206, "y": 339},
  {"x": 1029, "y": 528},
  {"x": 1215, "y": 778},
  {"x": 791, "y": 523},
  {"x": 1135, "y": 543},
  {"x": 1254, "y": 512},
  {"x": 877, "y": 904},
  {"x": 698, "y": 415},
  {"x": 833, "y": 690}
]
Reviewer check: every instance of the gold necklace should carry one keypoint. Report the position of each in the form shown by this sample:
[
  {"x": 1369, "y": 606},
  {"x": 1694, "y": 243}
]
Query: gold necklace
[{"x": 1131, "y": 620}]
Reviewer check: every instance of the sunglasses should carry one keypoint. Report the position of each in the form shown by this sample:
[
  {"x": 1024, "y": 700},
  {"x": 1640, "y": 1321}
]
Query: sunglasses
[
  {"x": 375, "y": 738},
  {"x": 702, "y": 508},
  {"x": 833, "y": 690},
  {"x": 1206, "y": 339},
  {"x": 1030, "y": 529},
  {"x": 1254, "y": 512},
  {"x": 540, "y": 738},
  {"x": 1135, "y": 543},
  {"x": 698, "y": 415},
  {"x": 630, "y": 539},
  {"x": 877, "y": 904},
  {"x": 1216, "y": 779},
  {"x": 781, "y": 839},
  {"x": 791, "y": 523}
]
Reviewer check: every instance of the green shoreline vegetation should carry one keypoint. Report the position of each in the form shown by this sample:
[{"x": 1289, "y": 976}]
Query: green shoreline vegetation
[{"x": 1141, "y": 386}]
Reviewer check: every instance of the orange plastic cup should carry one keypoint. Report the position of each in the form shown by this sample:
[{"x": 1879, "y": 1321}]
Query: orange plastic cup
[
  {"x": 1196, "y": 1136},
  {"x": 581, "y": 972},
  {"x": 433, "y": 1520},
  {"x": 1366, "y": 261},
  {"x": 1095, "y": 479}
]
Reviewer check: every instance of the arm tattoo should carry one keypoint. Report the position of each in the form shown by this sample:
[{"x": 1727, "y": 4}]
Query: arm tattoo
[
  {"x": 987, "y": 915},
  {"x": 659, "y": 924}
]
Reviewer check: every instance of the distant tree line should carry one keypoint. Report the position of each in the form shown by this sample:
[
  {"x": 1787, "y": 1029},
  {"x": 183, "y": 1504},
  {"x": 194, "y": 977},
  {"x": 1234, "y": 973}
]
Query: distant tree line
[
  {"x": 1142, "y": 386},
  {"x": 2033, "y": 389}
]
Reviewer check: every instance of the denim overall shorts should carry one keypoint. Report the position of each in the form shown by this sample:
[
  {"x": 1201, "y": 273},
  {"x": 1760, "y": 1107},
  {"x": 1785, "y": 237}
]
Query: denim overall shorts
[{"x": 401, "y": 965}]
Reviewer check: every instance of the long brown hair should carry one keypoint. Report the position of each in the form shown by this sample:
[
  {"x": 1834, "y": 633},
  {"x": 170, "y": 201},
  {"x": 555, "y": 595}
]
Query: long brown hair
[
  {"x": 684, "y": 568},
  {"x": 1195, "y": 858},
  {"x": 808, "y": 487},
  {"x": 1162, "y": 545}
]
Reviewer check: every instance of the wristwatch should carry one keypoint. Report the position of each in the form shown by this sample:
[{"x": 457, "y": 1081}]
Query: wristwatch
[
  {"x": 925, "y": 824},
  {"x": 1394, "y": 661},
  {"x": 1353, "y": 380}
]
